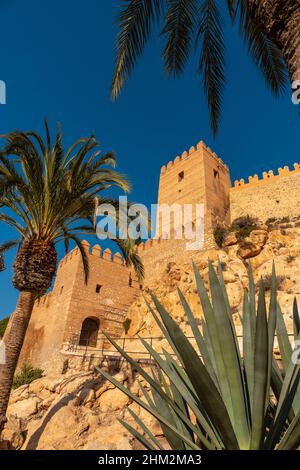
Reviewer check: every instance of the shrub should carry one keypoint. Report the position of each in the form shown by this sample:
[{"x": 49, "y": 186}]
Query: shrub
[
  {"x": 220, "y": 233},
  {"x": 213, "y": 397},
  {"x": 267, "y": 281},
  {"x": 271, "y": 221},
  {"x": 3, "y": 325},
  {"x": 284, "y": 220},
  {"x": 243, "y": 226},
  {"x": 26, "y": 375},
  {"x": 126, "y": 325}
]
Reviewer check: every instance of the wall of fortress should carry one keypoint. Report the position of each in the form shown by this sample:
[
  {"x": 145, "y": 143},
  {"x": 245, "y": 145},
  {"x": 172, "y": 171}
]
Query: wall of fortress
[
  {"x": 57, "y": 317},
  {"x": 275, "y": 195}
]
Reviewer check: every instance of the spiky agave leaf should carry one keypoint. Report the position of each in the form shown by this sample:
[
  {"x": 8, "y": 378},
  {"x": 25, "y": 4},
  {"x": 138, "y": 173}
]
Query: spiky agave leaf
[{"x": 183, "y": 384}]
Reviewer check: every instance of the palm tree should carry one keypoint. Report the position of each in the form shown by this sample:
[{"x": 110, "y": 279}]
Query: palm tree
[
  {"x": 48, "y": 196},
  {"x": 270, "y": 28}
]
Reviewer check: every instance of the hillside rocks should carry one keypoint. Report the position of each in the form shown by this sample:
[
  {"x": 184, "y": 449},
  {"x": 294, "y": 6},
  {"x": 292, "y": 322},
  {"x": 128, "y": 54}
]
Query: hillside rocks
[
  {"x": 76, "y": 411},
  {"x": 260, "y": 248}
]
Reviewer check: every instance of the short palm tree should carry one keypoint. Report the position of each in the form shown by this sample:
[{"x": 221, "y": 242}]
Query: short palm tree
[
  {"x": 48, "y": 196},
  {"x": 270, "y": 28}
]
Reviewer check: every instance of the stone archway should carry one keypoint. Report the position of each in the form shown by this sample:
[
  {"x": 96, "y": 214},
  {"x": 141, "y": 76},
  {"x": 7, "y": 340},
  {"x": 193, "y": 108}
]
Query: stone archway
[{"x": 89, "y": 332}]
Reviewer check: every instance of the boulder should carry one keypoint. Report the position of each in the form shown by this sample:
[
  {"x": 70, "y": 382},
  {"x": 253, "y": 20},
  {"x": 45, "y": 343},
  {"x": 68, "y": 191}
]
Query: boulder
[
  {"x": 112, "y": 401},
  {"x": 259, "y": 237},
  {"x": 230, "y": 239},
  {"x": 248, "y": 250},
  {"x": 24, "y": 408}
]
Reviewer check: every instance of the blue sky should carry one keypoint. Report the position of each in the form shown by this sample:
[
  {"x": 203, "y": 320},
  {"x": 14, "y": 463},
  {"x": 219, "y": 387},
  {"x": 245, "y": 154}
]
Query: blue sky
[{"x": 57, "y": 62}]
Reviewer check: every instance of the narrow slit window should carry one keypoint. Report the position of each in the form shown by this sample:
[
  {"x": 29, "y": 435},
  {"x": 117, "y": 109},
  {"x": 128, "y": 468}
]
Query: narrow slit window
[
  {"x": 181, "y": 176},
  {"x": 98, "y": 288}
]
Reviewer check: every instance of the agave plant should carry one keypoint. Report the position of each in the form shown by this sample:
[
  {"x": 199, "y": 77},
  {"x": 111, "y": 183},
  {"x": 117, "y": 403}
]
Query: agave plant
[{"x": 222, "y": 395}]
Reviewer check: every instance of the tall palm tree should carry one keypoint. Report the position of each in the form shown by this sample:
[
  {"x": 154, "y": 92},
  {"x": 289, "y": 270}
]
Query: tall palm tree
[
  {"x": 48, "y": 196},
  {"x": 270, "y": 28}
]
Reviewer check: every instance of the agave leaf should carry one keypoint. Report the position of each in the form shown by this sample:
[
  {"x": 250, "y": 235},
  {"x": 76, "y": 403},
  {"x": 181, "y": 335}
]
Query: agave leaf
[
  {"x": 198, "y": 337},
  {"x": 138, "y": 436},
  {"x": 148, "y": 378},
  {"x": 296, "y": 319},
  {"x": 252, "y": 301},
  {"x": 184, "y": 380},
  {"x": 210, "y": 350},
  {"x": 248, "y": 350},
  {"x": 278, "y": 424},
  {"x": 201, "y": 380},
  {"x": 291, "y": 439},
  {"x": 283, "y": 339},
  {"x": 290, "y": 375},
  {"x": 164, "y": 409},
  {"x": 232, "y": 360},
  {"x": 181, "y": 403},
  {"x": 182, "y": 386},
  {"x": 146, "y": 407},
  {"x": 229, "y": 311},
  {"x": 145, "y": 429},
  {"x": 215, "y": 343},
  {"x": 163, "y": 330},
  {"x": 271, "y": 328},
  {"x": 276, "y": 379},
  {"x": 260, "y": 373}
]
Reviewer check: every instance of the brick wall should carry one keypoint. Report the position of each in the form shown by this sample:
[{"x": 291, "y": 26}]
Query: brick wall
[{"x": 58, "y": 316}]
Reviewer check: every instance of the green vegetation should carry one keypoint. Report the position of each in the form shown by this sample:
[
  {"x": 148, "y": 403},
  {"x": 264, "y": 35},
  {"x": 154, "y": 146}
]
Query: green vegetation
[
  {"x": 220, "y": 233},
  {"x": 221, "y": 400},
  {"x": 268, "y": 279},
  {"x": 3, "y": 325},
  {"x": 242, "y": 227},
  {"x": 27, "y": 375}
]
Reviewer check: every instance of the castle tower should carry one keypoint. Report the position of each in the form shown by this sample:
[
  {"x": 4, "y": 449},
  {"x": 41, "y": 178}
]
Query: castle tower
[
  {"x": 74, "y": 314},
  {"x": 197, "y": 177}
]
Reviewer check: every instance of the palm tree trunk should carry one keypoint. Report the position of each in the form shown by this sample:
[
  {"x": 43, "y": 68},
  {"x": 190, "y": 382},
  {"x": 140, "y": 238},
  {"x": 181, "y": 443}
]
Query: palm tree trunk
[
  {"x": 14, "y": 342},
  {"x": 281, "y": 20}
]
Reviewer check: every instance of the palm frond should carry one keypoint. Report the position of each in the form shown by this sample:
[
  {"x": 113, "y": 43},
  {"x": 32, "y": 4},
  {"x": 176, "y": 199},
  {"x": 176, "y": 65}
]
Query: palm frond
[
  {"x": 134, "y": 22},
  {"x": 212, "y": 58},
  {"x": 179, "y": 32}
]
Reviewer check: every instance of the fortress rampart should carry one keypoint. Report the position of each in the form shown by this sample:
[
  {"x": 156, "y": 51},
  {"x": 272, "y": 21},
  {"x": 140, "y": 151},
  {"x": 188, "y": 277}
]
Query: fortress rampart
[
  {"x": 272, "y": 196},
  {"x": 72, "y": 309},
  {"x": 78, "y": 312}
]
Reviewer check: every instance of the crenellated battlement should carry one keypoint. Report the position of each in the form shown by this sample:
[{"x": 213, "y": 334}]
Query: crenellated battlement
[
  {"x": 148, "y": 244},
  {"x": 201, "y": 146},
  {"x": 96, "y": 251},
  {"x": 266, "y": 177}
]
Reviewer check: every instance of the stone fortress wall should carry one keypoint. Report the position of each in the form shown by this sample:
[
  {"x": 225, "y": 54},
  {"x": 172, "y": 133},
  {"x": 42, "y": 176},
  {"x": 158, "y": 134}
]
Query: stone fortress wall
[
  {"x": 58, "y": 317},
  {"x": 198, "y": 176},
  {"x": 273, "y": 196}
]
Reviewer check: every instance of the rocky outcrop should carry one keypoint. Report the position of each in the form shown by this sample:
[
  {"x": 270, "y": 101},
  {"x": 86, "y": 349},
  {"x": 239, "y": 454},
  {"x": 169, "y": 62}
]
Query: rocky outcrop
[
  {"x": 280, "y": 243},
  {"x": 75, "y": 411}
]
